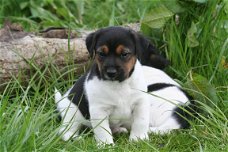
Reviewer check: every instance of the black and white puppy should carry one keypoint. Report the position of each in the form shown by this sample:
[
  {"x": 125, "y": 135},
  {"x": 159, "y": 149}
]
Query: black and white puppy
[{"x": 112, "y": 96}]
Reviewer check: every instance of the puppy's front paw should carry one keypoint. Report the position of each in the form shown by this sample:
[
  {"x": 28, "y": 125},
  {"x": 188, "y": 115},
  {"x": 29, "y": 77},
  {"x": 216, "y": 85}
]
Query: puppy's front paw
[
  {"x": 104, "y": 141},
  {"x": 135, "y": 137},
  {"x": 69, "y": 135},
  {"x": 102, "y": 145}
]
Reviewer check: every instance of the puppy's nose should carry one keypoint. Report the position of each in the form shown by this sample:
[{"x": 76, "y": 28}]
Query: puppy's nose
[{"x": 111, "y": 72}]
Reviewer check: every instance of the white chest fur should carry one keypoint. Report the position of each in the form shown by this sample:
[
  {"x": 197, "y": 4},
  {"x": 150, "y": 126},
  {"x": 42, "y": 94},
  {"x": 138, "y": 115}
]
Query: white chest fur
[{"x": 118, "y": 98}]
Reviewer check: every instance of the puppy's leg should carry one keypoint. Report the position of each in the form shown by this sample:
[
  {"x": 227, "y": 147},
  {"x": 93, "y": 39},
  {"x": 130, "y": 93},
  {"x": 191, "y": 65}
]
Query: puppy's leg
[
  {"x": 72, "y": 117},
  {"x": 100, "y": 123},
  {"x": 71, "y": 124},
  {"x": 140, "y": 124}
]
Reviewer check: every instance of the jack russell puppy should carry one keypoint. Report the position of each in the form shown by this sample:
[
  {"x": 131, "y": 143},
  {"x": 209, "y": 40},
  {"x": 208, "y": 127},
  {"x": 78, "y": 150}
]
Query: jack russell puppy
[{"x": 118, "y": 94}]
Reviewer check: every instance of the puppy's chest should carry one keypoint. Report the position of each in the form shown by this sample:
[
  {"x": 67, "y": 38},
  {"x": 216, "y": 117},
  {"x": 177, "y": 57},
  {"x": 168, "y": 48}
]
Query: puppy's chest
[
  {"x": 118, "y": 98},
  {"x": 111, "y": 93},
  {"x": 121, "y": 114}
]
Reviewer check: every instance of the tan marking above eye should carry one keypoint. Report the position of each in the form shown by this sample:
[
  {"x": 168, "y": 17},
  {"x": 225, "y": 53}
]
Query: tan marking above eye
[
  {"x": 130, "y": 64},
  {"x": 120, "y": 49},
  {"x": 104, "y": 48}
]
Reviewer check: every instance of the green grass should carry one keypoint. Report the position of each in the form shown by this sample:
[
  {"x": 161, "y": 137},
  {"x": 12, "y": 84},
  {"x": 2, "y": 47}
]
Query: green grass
[{"x": 28, "y": 120}]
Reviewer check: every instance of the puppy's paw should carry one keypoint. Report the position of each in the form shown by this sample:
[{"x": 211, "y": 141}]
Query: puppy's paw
[
  {"x": 135, "y": 138},
  {"x": 70, "y": 135},
  {"x": 105, "y": 144},
  {"x": 159, "y": 130},
  {"x": 119, "y": 130}
]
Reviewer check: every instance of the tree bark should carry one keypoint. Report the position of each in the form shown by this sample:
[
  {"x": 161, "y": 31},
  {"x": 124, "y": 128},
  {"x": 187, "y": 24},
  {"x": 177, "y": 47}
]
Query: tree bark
[{"x": 17, "y": 51}]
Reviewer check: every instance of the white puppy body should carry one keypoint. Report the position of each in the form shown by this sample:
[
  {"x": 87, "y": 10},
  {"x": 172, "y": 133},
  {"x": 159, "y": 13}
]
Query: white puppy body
[{"x": 112, "y": 105}]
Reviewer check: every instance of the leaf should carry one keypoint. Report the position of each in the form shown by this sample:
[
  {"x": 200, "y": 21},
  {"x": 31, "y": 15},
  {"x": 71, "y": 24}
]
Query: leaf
[
  {"x": 226, "y": 6},
  {"x": 154, "y": 21},
  {"x": 202, "y": 88},
  {"x": 191, "y": 38},
  {"x": 24, "y": 5},
  {"x": 157, "y": 17},
  {"x": 42, "y": 13},
  {"x": 173, "y": 6},
  {"x": 65, "y": 13},
  {"x": 200, "y": 1}
]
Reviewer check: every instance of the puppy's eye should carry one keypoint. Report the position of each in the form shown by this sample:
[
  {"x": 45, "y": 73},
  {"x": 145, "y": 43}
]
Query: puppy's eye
[
  {"x": 124, "y": 55},
  {"x": 101, "y": 54}
]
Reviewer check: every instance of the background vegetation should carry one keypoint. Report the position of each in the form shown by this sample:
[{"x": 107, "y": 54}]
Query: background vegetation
[{"x": 191, "y": 33}]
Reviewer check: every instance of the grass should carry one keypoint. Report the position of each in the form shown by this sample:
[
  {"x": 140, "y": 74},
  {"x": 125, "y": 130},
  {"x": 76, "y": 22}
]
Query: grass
[{"x": 28, "y": 120}]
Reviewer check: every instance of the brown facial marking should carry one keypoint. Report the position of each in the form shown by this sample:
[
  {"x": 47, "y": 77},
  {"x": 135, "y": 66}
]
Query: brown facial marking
[
  {"x": 128, "y": 66},
  {"x": 104, "y": 48},
  {"x": 120, "y": 49}
]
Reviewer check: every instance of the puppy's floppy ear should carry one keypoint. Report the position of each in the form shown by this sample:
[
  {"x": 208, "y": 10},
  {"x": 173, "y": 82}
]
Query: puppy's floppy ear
[
  {"x": 147, "y": 53},
  {"x": 90, "y": 44}
]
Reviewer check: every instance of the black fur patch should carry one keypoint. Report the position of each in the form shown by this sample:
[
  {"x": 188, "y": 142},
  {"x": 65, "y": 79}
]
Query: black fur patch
[
  {"x": 184, "y": 113},
  {"x": 78, "y": 97},
  {"x": 158, "y": 86},
  {"x": 94, "y": 72}
]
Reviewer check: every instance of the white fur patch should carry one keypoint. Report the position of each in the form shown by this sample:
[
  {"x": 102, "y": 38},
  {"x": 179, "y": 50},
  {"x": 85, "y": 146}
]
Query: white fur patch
[
  {"x": 71, "y": 115},
  {"x": 163, "y": 101}
]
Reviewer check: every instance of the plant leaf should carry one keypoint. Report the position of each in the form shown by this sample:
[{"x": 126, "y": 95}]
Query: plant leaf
[
  {"x": 200, "y": 1},
  {"x": 157, "y": 17},
  {"x": 201, "y": 85},
  {"x": 42, "y": 13},
  {"x": 173, "y": 6},
  {"x": 226, "y": 6},
  {"x": 23, "y": 5},
  {"x": 191, "y": 38}
]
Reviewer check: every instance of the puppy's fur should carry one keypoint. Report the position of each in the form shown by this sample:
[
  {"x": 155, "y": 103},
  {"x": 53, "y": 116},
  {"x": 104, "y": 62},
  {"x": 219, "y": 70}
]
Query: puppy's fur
[{"x": 111, "y": 96}]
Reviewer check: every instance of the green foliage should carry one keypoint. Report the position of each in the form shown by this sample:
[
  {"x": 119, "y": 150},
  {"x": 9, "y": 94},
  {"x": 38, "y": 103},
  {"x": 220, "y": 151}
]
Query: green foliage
[
  {"x": 46, "y": 12},
  {"x": 193, "y": 36},
  {"x": 202, "y": 89},
  {"x": 72, "y": 13},
  {"x": 158, "y": 17}
]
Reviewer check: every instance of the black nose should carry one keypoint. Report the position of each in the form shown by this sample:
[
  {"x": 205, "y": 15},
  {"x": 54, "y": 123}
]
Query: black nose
[{"x": 111, "y": 72}]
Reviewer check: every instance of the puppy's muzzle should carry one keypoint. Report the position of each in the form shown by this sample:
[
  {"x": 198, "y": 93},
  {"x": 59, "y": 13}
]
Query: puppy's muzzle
[{"x": 111, "y": 72}]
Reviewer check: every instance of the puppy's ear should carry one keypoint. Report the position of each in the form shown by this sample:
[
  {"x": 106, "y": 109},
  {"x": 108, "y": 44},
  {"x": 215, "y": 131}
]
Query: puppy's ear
[
  {"x": 90, "y": 44},
  {"x": 147, "y": 53}
]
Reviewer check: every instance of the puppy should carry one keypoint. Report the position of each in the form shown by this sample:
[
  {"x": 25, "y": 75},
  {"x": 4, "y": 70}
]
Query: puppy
[{"x": 112, "y": 96}]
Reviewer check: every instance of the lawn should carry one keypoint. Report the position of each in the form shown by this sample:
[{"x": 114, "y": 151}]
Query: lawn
[{"x": 193, "y": 36}]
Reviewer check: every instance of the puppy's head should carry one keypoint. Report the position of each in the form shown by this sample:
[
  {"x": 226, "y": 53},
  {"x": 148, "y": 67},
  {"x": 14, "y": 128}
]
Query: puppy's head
[{"x": 116, "y": 50}]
